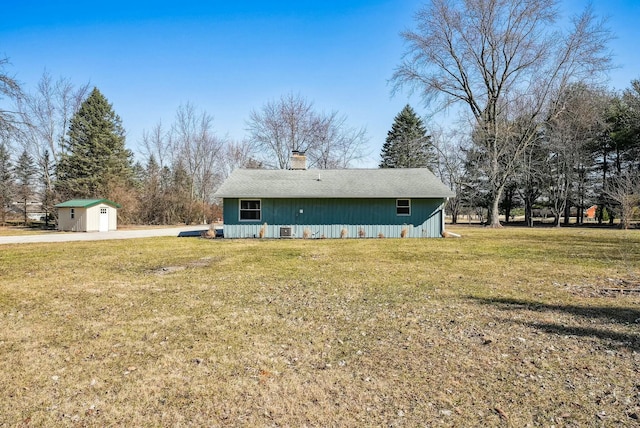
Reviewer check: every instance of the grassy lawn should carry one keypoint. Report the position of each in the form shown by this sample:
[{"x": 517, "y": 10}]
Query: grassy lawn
[
  {"x": 512, "y": 327},
  {"x": 38, "y": 229},
  {"x": 17, "y": 231}
]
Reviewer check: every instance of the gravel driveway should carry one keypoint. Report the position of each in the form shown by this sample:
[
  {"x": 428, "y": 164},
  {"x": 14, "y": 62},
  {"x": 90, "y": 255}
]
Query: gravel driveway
[{"x": 55, "y": 236}]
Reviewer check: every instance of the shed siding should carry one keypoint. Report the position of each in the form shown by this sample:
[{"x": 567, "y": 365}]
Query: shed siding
[
  {"x": 328, "y": 217},
  {"x": 93, "y": 218},
  {"x": 76, "y": 224},
  {"x": 86, "y": 219},
  {"x": 113, "y": 219}
]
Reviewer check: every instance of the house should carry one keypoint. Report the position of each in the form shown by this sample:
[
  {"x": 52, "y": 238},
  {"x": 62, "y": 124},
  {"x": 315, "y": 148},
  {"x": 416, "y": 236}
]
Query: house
[
  {"x": 333, "y": 203},
  {"x": 88, "y": 215},
  {"x": 590, "y": 213},
  {"x": 32, "y": 209}
]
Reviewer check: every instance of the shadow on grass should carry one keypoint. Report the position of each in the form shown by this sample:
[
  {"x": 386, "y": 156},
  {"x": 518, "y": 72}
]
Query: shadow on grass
[
  {"x": 619, "y": 340},
  {"x": 605, "y": 314}
]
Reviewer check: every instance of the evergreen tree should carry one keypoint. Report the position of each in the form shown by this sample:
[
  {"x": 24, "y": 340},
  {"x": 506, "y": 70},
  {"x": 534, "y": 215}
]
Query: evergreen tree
[
  {"x": 25, "y": 171},
  {"x": 151, "y": 195},
  {"x": 181, "y": 202},
  {"x": 6, "y": 182},
  {"x": 407, "y": 144},
  {"x": 95, "y": 160}
]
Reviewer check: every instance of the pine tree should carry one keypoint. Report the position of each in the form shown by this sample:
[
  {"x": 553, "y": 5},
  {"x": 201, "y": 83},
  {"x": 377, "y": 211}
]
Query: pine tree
[
  {"x": 6, "y": 182},
  {"x": 95, "y": 160},
  {"x": 407, "y": 144},
  {"x": 25, "y": 171},
  {"x": 151, "y": 195}
]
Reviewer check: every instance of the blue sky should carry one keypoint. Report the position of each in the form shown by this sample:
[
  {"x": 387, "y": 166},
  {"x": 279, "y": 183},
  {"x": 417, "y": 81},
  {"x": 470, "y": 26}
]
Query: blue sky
[{"x": 228, "y": 58}]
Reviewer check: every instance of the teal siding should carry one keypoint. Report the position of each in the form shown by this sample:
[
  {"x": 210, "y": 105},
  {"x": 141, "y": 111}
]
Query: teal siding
[{"x": 328, "y": 218}]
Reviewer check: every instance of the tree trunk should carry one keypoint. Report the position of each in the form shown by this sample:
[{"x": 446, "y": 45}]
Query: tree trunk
[
  {"x": 494, "y": 210},
  {"x": 600, "y": 213},
  {"x": 580, "y": 214},
  {"x": 25, "y": 212},
  {"x": 528, "y": 212},
  {"x": 567, "y": 214},
  {"x": 509, "y": 194}
]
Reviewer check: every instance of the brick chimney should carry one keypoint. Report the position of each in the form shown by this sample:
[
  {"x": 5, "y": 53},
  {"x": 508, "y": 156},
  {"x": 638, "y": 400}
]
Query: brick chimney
[{"x": 298, "y": 160}]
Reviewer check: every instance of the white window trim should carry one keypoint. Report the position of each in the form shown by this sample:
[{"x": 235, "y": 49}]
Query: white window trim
[
  {"x": 398, "y": 206},
  {"x": 240, "y": 210}
]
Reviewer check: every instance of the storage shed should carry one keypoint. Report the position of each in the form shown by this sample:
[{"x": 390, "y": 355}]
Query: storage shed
[
  {"x": 354, "y": 203},
  {"x": 88, "y": 215}
]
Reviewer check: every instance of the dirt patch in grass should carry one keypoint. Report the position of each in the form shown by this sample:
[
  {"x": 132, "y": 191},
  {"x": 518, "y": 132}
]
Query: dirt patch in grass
[
  {"x": 200, "y": 263},
  {"x": 479, "y": 331},
  {"x": 605, "y": 287}
]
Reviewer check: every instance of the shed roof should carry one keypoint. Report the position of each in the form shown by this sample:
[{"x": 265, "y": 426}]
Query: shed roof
[
  {"x": 86, "y": 203},
  {"x": 337, "y": 183}
]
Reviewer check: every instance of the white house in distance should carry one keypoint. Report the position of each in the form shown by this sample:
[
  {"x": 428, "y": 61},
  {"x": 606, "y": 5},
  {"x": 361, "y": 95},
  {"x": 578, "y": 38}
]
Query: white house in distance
[{"x": 88, "y": 215}]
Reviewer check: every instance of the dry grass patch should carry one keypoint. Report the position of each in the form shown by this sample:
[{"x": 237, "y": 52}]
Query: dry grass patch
[
  {"x": 18, "y": 231},
  {"x": 483, "y": 330}
]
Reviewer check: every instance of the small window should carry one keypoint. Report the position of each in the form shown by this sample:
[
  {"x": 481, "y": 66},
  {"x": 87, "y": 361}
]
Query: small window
[
  {"x": 403, "y": 206},
  {"x": 250, "y": 210},
  {"x": 103, "y": 210},
  {"x": 73, "y": 213}
]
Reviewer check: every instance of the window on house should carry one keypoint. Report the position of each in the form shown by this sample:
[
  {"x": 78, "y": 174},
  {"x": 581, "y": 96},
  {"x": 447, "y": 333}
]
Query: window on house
[
  {"x": 103, "y": 210},
  {"x": 250, "y": 210},
  {"x": 73, "y": 213},
  {"x": 403, "y": 206}
]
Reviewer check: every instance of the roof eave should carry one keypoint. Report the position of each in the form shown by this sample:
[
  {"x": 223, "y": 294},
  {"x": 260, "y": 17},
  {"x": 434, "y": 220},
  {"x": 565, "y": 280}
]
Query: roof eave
[
  {"x": 300, "y": 196},
  {"x": 88, "y": 203}
]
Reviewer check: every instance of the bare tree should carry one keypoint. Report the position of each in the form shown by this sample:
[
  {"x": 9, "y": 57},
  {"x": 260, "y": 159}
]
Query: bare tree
[
  {"x": 531, "y": 177},
  {"x": 291, "y": 123},
  {"x": 631, "y": 98},
  {"x": 336, "y": 144},
  {"x": 577, "y": 124},
  {"x": 282, "y": 126},
  {"x": 185, "y": 163},
  {"x": 157, "y": 145},
  {"x": 624, "y": 190},
  {"x": 47, "y": 113},
  {"x": 10, "y": 118},
  {"x": 501, "y": 59},
  {"x": 238, "y": 155},
  {"x": 449, "y": 167},
  {"x": 196, "y": 146},
  {"x": 157, "y": 184},
  {"x": 7, "y": 182}
]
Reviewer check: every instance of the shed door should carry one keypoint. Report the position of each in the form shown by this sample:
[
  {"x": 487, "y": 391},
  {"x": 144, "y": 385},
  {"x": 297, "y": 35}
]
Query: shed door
[{"x": 104, "y": 220}]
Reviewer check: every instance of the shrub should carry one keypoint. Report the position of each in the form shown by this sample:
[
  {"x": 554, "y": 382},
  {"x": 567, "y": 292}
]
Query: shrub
[{"x": 210, "y": 233}]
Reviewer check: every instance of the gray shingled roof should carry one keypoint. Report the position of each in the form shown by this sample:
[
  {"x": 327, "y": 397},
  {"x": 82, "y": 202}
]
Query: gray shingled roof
[{"x": 337, "y": 183}]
